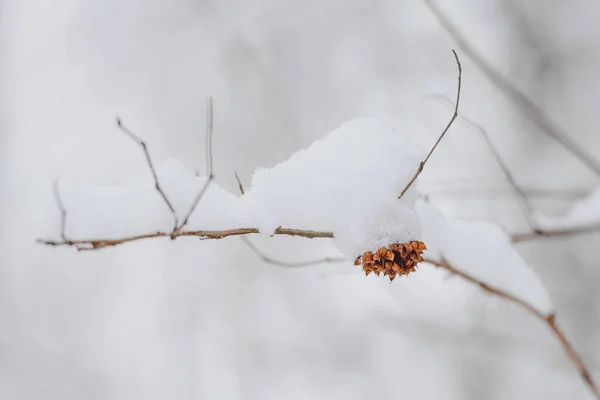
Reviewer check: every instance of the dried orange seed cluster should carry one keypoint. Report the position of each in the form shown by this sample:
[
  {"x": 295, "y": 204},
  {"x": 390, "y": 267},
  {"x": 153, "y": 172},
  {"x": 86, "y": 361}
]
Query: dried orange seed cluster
[{"x": 398, "y": 259}]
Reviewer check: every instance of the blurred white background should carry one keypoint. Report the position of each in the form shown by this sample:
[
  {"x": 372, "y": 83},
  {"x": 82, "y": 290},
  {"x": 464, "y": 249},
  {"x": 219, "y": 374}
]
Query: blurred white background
[{"x": 207, "y": 320}]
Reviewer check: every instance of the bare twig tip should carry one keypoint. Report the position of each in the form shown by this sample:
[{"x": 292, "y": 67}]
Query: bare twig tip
[
  {"x": 524, "y": 103},
  {"x": 454, "y": 115},
  {"x": 239, "y": 181}
]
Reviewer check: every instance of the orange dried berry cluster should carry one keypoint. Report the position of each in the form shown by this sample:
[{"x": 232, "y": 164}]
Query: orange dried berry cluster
[{"x": 399, "y": 259}]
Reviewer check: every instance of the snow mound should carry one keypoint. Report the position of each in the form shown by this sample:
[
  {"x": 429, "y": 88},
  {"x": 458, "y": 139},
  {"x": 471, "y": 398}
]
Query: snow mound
[
  {"x": 348, "y": 182},
  {"x": 484, "y": 251},
  {"x": 583, "y": 213}
]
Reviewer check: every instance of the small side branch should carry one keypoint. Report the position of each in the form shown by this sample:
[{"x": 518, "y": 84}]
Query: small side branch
[
  {"x": 95, "y": 244},
  {"x": 549, "y": 320},
  {"x": 157, "y": 185},
  {"x": 289, "y": 264},
  {"x": 454, "y": 115},
  {"x": 558, "y": 233},
  {"x": 209, "y": 167}
]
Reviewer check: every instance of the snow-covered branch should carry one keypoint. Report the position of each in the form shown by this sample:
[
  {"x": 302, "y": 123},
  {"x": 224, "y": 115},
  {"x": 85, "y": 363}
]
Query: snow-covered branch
[
  {"x": 157, "y": 184},
  {"x": 343, "y": 187}
]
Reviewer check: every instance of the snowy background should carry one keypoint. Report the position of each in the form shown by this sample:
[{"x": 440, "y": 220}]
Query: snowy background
[{"x": 188, "y": 319}]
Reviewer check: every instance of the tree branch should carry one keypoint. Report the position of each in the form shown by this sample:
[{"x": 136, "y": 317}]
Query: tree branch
[
  {"x": 61, "y": 208},
  {"x": 280, "y": 263},
  {"x": 523, "y": 103},
  {"x": 95, "y": 244},
  {"x": 422, "y": 164},
  {"x": 157, "y": 185},
  {"x": 209, "y": 167},
  {"x": 558, "y": 233},
  {"x": 519, "y": 192},
  {"x": 549, "y": 320},
  {"x": 240, "y": 186}
]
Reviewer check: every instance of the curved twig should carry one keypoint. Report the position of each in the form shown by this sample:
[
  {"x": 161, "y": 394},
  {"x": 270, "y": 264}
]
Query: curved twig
[
  {"x": 289, "y": 264},
  {"x": 422, "y": 164}
]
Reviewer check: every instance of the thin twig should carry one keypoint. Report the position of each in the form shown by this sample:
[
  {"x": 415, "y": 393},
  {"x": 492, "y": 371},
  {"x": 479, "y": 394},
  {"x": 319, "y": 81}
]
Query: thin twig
[
  {"x": 524, "y": 103},
  {"x": 523, "y": 200},
  {"x": 62, "y": 209},
  {"x": 454, "y": 115},
  {"x": 557, "y": 233},
  {"x": 240, "y": 186},
  {"x": 209, "y": 166},
  {"x": 548, "y": 319},
  {"x": 157, "y": 185},
  {"x": 208, "y": 137},
  {"x": 290, "y": 264},
  {"x": 454, "y": 185},
  {"x": 536, "y": 232},
  {"x": 95, "y": 244}
]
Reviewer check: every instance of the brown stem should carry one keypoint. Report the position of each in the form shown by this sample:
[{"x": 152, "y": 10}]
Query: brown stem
[
  {"x": 549, "y": 320},
  {"x": 157, "y": 184},
  {"x": 454, "y": 115}
]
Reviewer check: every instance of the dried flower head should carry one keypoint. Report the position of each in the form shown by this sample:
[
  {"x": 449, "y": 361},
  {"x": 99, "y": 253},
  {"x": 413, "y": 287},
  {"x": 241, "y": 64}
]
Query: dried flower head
[{"x": 398, "y": 259}]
